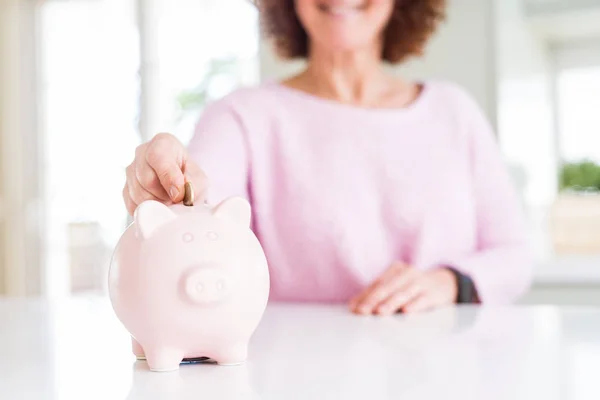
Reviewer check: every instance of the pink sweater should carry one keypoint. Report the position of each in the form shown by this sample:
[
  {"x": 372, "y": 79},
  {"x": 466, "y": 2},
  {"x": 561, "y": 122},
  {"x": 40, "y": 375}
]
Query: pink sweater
[{"x": 340, "y": 192}]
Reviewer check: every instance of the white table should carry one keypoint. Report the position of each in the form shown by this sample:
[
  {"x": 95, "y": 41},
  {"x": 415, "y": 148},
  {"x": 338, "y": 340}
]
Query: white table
[{"x": 78, "y": 350}]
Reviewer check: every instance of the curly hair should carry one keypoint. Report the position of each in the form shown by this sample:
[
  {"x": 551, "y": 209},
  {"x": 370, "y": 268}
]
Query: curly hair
[{"x": 410, "y": 26}]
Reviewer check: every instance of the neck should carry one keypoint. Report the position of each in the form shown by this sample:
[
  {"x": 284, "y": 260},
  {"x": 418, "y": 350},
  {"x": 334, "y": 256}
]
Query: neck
[{"x": 353, "y": 77}]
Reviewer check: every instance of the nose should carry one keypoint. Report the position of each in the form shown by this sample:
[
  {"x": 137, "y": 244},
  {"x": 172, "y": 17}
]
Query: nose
[{"x": 206, "y": 285}]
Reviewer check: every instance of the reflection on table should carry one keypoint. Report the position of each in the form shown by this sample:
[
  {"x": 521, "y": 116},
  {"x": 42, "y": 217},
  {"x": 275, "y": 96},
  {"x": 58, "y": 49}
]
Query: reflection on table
[{"x": 79, "y": 350}]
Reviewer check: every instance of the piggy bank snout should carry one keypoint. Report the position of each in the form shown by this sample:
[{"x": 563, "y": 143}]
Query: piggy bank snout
[{"x": 207, "y": 285}]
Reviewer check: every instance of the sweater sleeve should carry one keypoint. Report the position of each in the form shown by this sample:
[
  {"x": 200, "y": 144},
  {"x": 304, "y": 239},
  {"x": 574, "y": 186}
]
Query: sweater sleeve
[
  {"x": 501, "y": 267},
  {"x": 218, "y": 146}
]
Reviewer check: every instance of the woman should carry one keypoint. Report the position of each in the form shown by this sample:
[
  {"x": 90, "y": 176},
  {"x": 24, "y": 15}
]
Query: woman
[{"x": 366, "y": 188}]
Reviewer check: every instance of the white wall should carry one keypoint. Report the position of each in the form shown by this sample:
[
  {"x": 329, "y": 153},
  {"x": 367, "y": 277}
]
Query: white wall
[
  {"x": 271, "y": 67},
  {"x": 462, "y": 50},
  {"x": 558, "y": 6}
]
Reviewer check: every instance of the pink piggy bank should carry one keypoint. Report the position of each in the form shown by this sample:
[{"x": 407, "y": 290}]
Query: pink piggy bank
[{"x": 189, "y": 282}]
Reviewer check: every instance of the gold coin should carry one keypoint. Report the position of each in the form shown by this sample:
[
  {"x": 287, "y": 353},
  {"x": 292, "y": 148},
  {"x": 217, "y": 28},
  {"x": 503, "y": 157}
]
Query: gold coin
[{"x": 188, "y": 197}]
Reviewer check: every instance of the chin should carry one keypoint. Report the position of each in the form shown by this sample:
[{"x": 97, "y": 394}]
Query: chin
[
  {"x": 344, "y": 45},
  {"x": 344, "y": 25}
]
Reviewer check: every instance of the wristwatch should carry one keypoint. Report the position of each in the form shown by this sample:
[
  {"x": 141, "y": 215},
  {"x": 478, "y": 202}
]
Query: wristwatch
[{"x": 466, "y": 291}]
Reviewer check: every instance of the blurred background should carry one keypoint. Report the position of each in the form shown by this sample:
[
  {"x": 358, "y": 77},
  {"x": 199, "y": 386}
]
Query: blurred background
[{"x": 83, "y": 82}]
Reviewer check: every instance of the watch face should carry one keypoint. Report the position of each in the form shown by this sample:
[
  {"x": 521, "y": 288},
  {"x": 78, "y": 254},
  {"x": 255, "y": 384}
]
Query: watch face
[{"x": 466, "y": 289}]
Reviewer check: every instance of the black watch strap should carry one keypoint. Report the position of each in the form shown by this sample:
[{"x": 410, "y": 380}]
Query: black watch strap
[{"x": 466, "y": 288}]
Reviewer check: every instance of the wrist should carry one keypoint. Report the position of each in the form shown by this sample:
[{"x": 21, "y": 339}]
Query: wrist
[{"x": 447, "y": 279}]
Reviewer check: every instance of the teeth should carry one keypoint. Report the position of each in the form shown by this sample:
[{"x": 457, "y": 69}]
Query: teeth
[{"x": 342, "y": 10}]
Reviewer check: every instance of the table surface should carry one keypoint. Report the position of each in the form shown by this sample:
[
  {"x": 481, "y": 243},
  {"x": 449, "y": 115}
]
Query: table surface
[{"x": 77, "y": 349}]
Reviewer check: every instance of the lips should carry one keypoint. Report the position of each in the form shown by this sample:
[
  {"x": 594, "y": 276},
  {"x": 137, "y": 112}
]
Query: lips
[{"x": 338, "y": 8}]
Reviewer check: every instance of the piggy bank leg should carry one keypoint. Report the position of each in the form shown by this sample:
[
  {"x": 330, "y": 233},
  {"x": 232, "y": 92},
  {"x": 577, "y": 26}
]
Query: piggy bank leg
[
  {"x": 162, "y": 359},
  {"x": 232, "y": 355},
  {"x": 137, "y": 349}
]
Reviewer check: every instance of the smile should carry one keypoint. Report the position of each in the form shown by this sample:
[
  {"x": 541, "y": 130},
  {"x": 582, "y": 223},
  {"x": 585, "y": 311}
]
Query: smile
[{"x": 341, "y": 10}]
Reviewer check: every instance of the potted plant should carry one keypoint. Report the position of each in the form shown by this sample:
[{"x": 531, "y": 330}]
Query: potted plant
[{"x": 575, "y": 214}]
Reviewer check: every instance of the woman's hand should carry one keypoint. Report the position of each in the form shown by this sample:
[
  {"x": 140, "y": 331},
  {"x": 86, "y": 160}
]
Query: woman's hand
[
  {"x": 407, "y": 289},
  {"x": 159, "y": 172}
]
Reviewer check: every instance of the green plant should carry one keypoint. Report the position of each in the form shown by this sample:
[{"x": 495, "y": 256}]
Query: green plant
[
  {"x": 196, "y": 98},
  {"x": 580, "y": 176}
]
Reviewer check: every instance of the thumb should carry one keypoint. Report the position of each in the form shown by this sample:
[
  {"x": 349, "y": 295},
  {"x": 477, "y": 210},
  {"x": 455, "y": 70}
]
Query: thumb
[
  {"x": 172, "y": 179},
  {"x": 170, "y": 176},
  {"x": 165, "y": 156}
]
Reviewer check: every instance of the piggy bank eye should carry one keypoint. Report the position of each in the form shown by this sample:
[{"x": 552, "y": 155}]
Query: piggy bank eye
[{"x": 187, "y": 237}]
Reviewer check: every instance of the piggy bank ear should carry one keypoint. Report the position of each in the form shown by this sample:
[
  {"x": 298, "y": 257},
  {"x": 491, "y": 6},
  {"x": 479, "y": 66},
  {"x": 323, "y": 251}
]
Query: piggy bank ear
[
  {"x": 236, "y": 209},
  {"x": 151, "y": 215}
]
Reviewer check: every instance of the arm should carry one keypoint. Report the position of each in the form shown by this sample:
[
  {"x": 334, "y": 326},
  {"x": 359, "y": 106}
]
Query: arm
[
  {"x": 501, "y": 266},
  {"x": 218, "y": 147}
]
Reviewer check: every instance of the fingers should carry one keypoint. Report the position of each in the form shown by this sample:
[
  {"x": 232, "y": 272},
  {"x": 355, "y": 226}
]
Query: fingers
[
  {"x": 129, "y": 204},
  {"x": 402, "y": 287},
  {"x": 423, "y": 302},
  {"x": 442, "y": 290},
  {"x": 157, "y": 173},
  {"x": 137, "y": 193},
  {"x": 399, "y": 299},
  {"x": 387, "y": 274},
  {"x": 166, "y": 156},
  {"x": 395, "y": 279}
]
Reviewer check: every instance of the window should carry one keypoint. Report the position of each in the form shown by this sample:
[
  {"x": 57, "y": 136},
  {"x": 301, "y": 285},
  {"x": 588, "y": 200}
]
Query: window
[
  {"x": 576, "y": 210},
  {"x": 549, "y": 97},
  {"x": 194, "y": 51},
  {"x": 579, "y": 120}
]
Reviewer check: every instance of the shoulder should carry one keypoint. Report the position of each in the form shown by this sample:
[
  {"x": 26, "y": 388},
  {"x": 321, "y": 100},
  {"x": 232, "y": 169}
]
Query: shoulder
[
  {"x": 244, "y": 101},
  {"x": 240, "y": 111},
  {"x": 454, "y": 96},
  {"x": 462, "y": 106}
]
